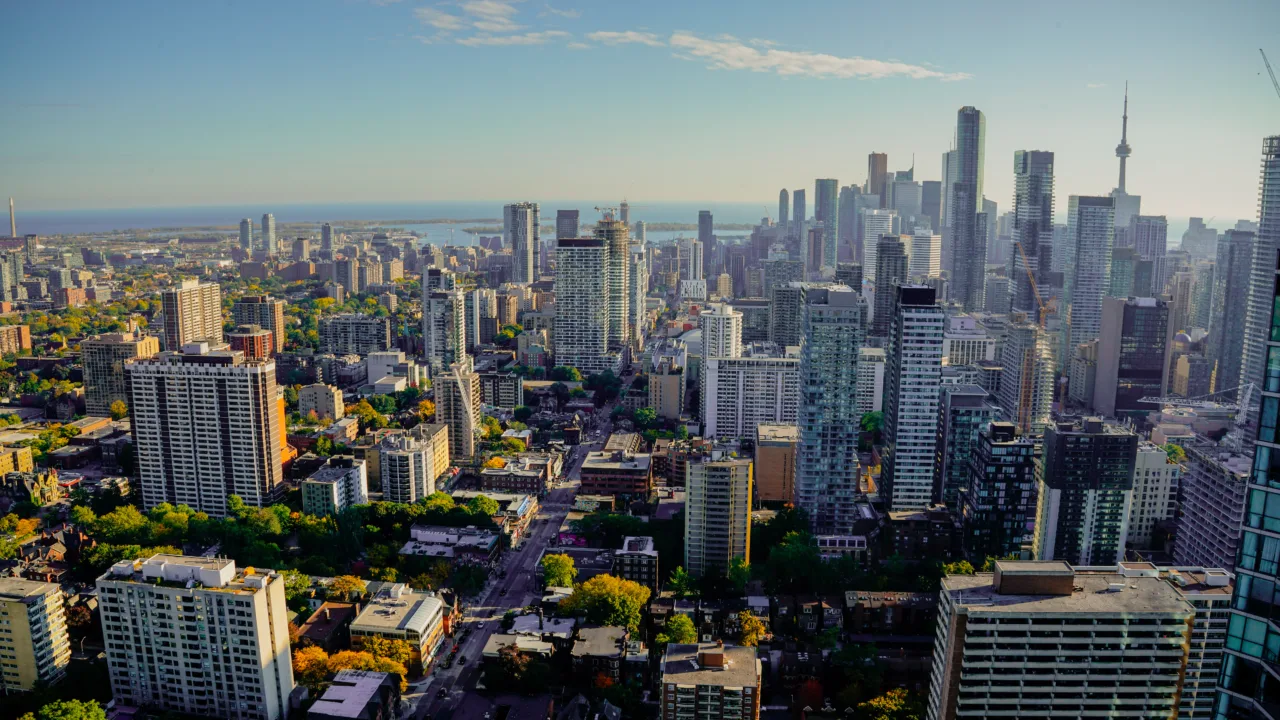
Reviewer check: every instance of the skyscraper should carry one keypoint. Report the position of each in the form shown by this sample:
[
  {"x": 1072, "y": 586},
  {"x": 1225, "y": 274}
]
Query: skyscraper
[
  {"x": 964, "y": 411},
  {"x": 624, "y": 213},
  {"x": 1026, "y": 383},
  {"x": 717, "y": 521},
  {"x": 207, "y": 424},
  {"x": 269, "y": 234},
  {"x": 848, "y": 248},
  {"x": 458, "y": 406},
  {"x": 1134, "y": 342},
  {"x": 103, "y": 358},
  {"x": 721, "y": 331},
  {"x": 444, "y": 329},
  {"x": 582, "y": 305},
  {"x": 799, "y": 213},
  {"x": 1090, "y": 234},
  {"x": 1149, "y": 235},
  {"x": 1086, "y": 487},
  {"x": 998, "y": 511},
  {"x": 707, "y": 237},
  {"x": 192, "y": 311},
  {"x": 891, "y": 271},
  {"x": 826, "y": 211},
  {"x": 931, "y": 203},
  {"x": 35, "y": 636},
  {"x": 566, "y": 224},
  {"x": 326, "y": 238},
  {"x": 246, "y": 235},
  {"x": 911, "y": 398},
  {"x": 1261, "y": 295},
  {"x": 520, "y": 233},
  {"x": 1227, "y": 327},
  {"x": 411, "y": 462},
  {"x": 784, "y": 204},
  {"x": 875, "y": 225},
  {"x": 265, "y": 311},
  {"x": 925, "y": 255},
  {"x": 968, "y": 283},
  {"x": 877, "y": 176},
  {"x": 1032, "y": 226},
  {"x": 832, "y": 321},
  {"x": 617, "y": 244}
]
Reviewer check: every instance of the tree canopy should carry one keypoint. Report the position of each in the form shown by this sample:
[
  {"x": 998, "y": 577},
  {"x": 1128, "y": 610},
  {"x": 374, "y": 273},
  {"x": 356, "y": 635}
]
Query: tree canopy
[
  {"x": 558, "y": 570},
  {"x": 608, "y": 600}
]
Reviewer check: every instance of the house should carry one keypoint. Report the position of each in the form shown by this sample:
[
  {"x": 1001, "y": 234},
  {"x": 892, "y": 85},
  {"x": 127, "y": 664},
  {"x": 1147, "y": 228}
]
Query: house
[
  {"x": 329, "y": 627},
  {"x": 599, "y": 651}
]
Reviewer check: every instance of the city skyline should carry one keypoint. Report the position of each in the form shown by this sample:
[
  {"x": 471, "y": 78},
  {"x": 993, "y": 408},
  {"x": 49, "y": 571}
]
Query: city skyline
[{"x": 88, "y": 134}]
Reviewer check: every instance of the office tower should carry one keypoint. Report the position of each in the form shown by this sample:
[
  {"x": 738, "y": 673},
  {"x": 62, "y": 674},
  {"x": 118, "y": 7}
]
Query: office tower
[
  {"x": 412, "y": 461},
  {"x": 850, "y": 275},
  {"x": 1247, "y": 689},
  {"x": 566, "y": 224},
  {"x": 847, "y": 224},
  {"x": 717, "y": 518},
  {"x": 723, "y": 681},
  {"x": 246, "y": 235},
  {"x": 1215, "y": 493},
  {"x": 877, "y": 176},
  {"x": 891, "y": 271},
  {"x": 826, "y": 211},
  {"x": 458, "y": 406},
  {"x": 1204, "y": 285},
  {"x": 1032, "y": 226},
  {"x": 326, "y": 238},
  {"x": 799, "y": 213},
  {"x": 1150, "y": 235},
  {"x": 785, "y": 326},
  {"x": 192, "y": 312},
  {"x": 269, "y": 234},
  {"x": 721, "y": 331},
  {"x": 1258, "y": 312},
  {"x": 481, "y": 308},
  {"x": 707, "y": 237},
  {"x": 444, "y": 329},
  {"x": 1088, "y": 277},
  {"x": 964, "y": 411},
  {"x": 926, "y": 255},
  {"x": 1179, "y": 290},
  {"x": 931, "y": 203},
  {"x": 1192, "y": 376},
  {"x": 520, "y": 233},
  {"x": 991, "y": 218},
  {"x": 638, "y": 277},
  {"x": 832, "y": 322},
  {"x": 617, "y": 240},
  {"x": 998, "y": 505},
  {"x": 624, "y": 213},
  {"x": 582, "y": 304},
  {"x": 1123, "y": 265},
  {"x": 784, "y": 203},
  {"x": 964, "y": 343},
  {"x": 194, "y": 636},
  {"x": 905, "y": 199},
  {"x": 875, "y": 225},
  {"x": 301, "y": 249},
  {"x": 34, "y": 645},
  {"x": 207, "y": 424},
  {"x": 970, "y": 245},
  {"x": 346, "y": 272},
  {"x": 104, "y": 358},
  {"x": 1085, "y": 486},
  {"x": 741, "y": 391},
  {"x": 1155, "y": 494},
  {"x": 1133, "y": 354},
  {"x": 1227, "y": 328},
  {"x": 1141, "y": 625},
  {"x": 1201, "y": 241},
  {"x": 911, "y": 398},
  {"x": 871, "y": 367},
  {"x": 354, "y": 334},
  {"x": 640, "y": 237},
  {"x": 265, "y": 311},
  {"x": 775, "y": 462}
]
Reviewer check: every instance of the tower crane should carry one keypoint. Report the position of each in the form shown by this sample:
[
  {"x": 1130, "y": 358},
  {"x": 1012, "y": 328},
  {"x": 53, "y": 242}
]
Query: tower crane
[
  {"x": 1044, "y": 309},
  {"x": 1270, "y": 71}
]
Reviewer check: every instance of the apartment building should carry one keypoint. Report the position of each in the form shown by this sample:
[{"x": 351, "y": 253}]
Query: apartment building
[
  {"x": 34, "y": 645},
  {"x": 103, "y": 358}
]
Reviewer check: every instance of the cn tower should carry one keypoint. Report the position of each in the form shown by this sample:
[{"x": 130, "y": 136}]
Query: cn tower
[{"x": 1123, "y": 150}]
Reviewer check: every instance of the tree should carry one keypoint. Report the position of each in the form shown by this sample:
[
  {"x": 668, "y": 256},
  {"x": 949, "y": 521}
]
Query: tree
[
  {"x": 323, "y": 446},
  {"x": 392, "y": 649},
  {"x": 495, "y": 463},
  {"x": 492, "y": 428},
  {"x": 296, "y": 584},
  {"x": 752, "y": 630},
  {"x": 897, "y": 704},
  {"x": 438, "y": 501},
  {"x": 310, "y": 666},
  {"x": 69, "y": 710},
  {"x": 483, "y": 505},
  {"x": 644, "y": 417},
  {"x": 739, "y": 574},
  {"x": 119, "y": 410},
  {"x": 522, "y": 414},
  {"x": 607, "y": 600},
  {"x": 346, "y": 586},
  {"x": 369, "y": 417},
  {"x": 384, "y": 404},
  {"x": 565, "y": 374},
  {"x": 124, "y": 524},
  {"x": 1175, "y": 453},
  {"x": 426, "y": 410},
  {"x": 79, "y": 617},
  {"x": 558, "y": 570},
  {"x": 964, "y": 567},
  {"x": 681, "y": 582},
  {"x": 679, "y": 630},
  {"x": 351, "y": 660}
]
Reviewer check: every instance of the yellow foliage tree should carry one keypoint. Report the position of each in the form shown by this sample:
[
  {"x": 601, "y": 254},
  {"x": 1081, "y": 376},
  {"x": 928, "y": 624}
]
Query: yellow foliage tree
[
  {"x": 310, "y": 666},
  {"x": 496, "y": 463},
  {"x": 608, "y": 600},
  {"x": 753, "y": 631},
  {"x": 345, "y": 586},
  {"x": 352, "y": 660},
  {"x": 426, "y": 410}
]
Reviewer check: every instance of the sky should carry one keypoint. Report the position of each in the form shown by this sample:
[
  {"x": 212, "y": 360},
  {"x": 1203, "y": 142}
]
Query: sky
[{"x": 151, "y": 104}]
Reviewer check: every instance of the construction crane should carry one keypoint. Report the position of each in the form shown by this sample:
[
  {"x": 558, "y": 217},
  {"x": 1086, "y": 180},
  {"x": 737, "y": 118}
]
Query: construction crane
[
  {"x": 1201, "y": 401},
  {"x": 1044, "y": 309},
  {"x": 1270, "y": 71}
]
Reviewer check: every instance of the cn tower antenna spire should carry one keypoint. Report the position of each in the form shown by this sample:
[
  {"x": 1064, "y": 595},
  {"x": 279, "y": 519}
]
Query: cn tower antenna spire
[{"x": 1123, "y": 150}]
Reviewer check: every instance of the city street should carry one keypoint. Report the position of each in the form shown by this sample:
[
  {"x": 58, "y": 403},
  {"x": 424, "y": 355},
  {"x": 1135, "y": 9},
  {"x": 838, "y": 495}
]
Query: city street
[{"x": 518, "y": 589}]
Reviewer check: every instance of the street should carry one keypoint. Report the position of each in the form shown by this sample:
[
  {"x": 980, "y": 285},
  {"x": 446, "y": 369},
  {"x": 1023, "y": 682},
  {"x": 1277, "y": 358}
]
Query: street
[{"x": 517, "y": 590}]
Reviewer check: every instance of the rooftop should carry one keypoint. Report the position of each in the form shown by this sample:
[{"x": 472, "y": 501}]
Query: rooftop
[
  {"x": 1092, "y": 594},
  {"x": 336, "y": 469},
  {"x": 607, "y": 641},
  {"x": 24, "y": 590},
  {"x": 616, "y": 461},
  {"x": 638, "y": 545},
  {"x": 767, "y": 432},
  {"x": 327, "y": 618},
  {"x": 531, "y": 624},
  {"x": 681, "y": 665},
  {"x": 398, "y": 608},
  {"x": 350, "y": 692}
]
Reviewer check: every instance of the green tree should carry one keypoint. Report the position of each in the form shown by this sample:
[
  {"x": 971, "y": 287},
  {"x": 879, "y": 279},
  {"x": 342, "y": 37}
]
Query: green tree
[
  {"x": 347, "y": 586},
  {"x": 679, "y": 630},
  {"x": 119, "y": 410},
  {"x": 483, "y": 505},
  {"x": 122, "y": 525},
  {"x": 607, "y": 600},
  {"x": 384, "y": 404},
  {"x": 752, "y": 631},
  {"x": 492, "y": 428},
  {"x": 438, "y": 501},
  {"x": 1175, "y": 453},
  {"x": 739, "y": 574},
  {"x": 323, "y": 446},
  {"x": 644, "y": 417},
  {"x": 69, "y": 710},
  {"x": 565, "y": 374},
  {"x": 963, "y": 567},
  {"x": 681, "y": 582},
  {"x": 558, "y": 570},
  {"x": 296, "y": 584}
]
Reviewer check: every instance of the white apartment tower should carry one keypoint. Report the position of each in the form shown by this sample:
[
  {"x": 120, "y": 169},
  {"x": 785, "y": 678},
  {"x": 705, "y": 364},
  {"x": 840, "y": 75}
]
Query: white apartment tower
[
  {"x": 193, "y": 635},
  {"x": 192, "y": 312},
  {"x": 269, "y": 234},
  {"x": 520, "y": 228},
  {"x": 582, "y": 305},
  {"x": 911, "y": 398},
  {"x": 1090, "y": 236},
  {"x": 739, "y": 393},
  {"x": 721, "y": 331},
  {"x": 207, "y": 424},
  {"x": 444, "y": 328},
  {"x": 925, "y": 253},
  {"x": 1155, "y": 493},
  {"x": 871, "y": 366},
  {"x": 458, "y": 406},
  {"x": 717, "y": 522},
  {"x": 412, "y": 461},
  {"x": 617, "y": 244}
]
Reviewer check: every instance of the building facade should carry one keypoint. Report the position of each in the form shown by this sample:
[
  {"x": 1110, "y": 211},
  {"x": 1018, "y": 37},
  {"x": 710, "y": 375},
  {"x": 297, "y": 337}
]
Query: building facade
[
  {"x": 998, "y": 508},
  {"x": 34, "y": 645},
  {"x": 717, "y": 518},
  {"x": 339, "y": 484},
  {"x": 103, "y": 358},
  {"x": 264, "y": 311},
  {"x": 192, "y": 312},
  {"x": 911, "y": 399},
  {"x": 354, "y": 334},
  {"x": 410, "y": 463}
]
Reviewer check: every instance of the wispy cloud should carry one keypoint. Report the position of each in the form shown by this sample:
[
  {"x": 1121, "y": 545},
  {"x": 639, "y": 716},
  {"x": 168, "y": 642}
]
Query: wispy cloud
[
  {"x": 625, "y": 37},
  {"x": 728, "y": 53},
  {"x": 438, "y": 19},
  {"x": 1095, "y": 86},
  {"x": 578, "y": 46},
  {"x": 571, "y": 14},
  {"x": 529, "y": 38},
  {"x": 492, "y": 15}
]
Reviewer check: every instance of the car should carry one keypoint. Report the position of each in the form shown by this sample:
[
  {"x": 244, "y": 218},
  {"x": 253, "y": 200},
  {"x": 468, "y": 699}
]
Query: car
[
  {"x": 443, "y": 693},
  {"x": 462, "y": 660}
]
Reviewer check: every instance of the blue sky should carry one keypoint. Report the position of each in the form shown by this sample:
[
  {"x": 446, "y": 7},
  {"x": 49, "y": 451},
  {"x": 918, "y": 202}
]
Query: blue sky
[{"x": 140, "y": 104}]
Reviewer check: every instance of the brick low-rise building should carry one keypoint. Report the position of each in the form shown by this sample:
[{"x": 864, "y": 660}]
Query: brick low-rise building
[{"x": 618, "y": 473}]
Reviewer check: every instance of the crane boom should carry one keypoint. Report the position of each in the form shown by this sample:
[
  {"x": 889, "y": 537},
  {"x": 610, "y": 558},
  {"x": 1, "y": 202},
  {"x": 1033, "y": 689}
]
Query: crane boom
[
  {"x": 1032, "y": 279},
  {"x": 1270, "y": 71}
]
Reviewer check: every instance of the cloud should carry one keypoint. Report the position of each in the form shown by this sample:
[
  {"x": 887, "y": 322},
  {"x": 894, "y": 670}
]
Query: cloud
[
  {"x": 492, "y": 15},
  {"x": 623, "y": 38},
  {"x": 529, "y": 38},
  {"x": 726, "y": 53},
  {"x": 578, "y": 46},
  {"x": 438, "y": 19},
  {"x": 1095, "y": 86},
  {"x": 571, "y": 14}
]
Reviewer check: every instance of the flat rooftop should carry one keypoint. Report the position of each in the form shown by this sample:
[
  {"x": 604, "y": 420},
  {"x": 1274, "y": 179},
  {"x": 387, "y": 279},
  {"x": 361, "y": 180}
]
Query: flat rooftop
[
  {"x": 680, "y": 665},
  {"x": 616, "y": 461},
  {"x": 24, "y": 590},
  {"x": 1093, "y": 596},
  {"x": 398, "y": 609},
  {"x": 766, "y": 432},
  {"x": 350, "y": 692}
]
